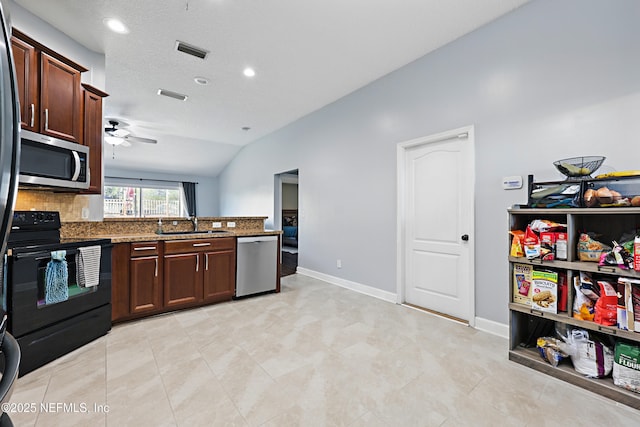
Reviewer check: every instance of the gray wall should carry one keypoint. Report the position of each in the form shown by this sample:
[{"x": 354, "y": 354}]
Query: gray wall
[{"x": 553, "y": 79}]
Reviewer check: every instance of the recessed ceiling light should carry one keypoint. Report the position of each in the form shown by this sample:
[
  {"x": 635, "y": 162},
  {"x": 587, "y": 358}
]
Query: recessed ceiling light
[
  {"x": 115, "y": 25},
  {"x": 201, "y": 80},
  {"x": 249, "y": 72}
]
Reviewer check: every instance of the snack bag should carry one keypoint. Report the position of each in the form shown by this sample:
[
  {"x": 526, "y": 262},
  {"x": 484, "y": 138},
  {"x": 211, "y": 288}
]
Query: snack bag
[
  {"x": 531, "y": 244},
  {"x": 636, "y": 253},
  {"x": 542, "y": 225},
  {"x": 517, "y": 243},
  {"x": 582, "y": 305},
  {"x": 590, "y": 249},
  {"x": 618, "y": 256},
  {"x": 550, "y": 350},
  {"x": 607, "y": 305}
]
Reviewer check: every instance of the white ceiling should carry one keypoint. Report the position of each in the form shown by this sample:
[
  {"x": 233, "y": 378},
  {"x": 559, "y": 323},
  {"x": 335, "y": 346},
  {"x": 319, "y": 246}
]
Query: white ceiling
[{"x": 306, "y": 53}]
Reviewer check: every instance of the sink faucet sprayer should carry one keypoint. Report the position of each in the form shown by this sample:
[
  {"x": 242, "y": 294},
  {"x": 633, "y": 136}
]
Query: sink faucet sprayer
[{"x": 194, "y": 220}]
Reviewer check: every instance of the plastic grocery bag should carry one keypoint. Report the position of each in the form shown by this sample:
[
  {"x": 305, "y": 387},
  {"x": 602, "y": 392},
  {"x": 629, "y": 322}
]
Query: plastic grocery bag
[{"x": 590, "y": 357}]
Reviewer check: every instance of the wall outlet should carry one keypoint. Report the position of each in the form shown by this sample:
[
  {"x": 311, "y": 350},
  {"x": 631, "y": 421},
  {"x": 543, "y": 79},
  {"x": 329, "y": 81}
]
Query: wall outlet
[
  {"x": 339, "y": 263},
  {"x": 216, "y": 224},
  {"x": 85, "y": 213},
  {"x": 175, "y": 222},
  {"x": 231, "y": 224}
]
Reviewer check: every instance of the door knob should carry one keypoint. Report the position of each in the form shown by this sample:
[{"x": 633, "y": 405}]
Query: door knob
[{"x": 465, "y": 237}]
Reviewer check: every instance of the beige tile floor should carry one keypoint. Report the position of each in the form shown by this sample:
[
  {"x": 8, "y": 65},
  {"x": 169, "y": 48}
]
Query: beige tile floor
[{"x": 313, "y": 355}]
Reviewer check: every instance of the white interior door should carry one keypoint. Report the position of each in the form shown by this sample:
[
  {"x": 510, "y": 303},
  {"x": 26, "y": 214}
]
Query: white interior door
[{"x": 437, "y": 223}]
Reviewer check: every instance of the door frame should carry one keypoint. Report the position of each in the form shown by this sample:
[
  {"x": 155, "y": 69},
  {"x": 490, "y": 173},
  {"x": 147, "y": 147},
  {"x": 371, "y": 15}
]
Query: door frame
[{"x": 466, "y": 132}]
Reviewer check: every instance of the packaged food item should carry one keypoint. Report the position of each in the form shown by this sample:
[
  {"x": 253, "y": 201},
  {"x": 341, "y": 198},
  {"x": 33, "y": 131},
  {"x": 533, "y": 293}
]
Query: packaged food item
[
  {"x": 626, "y": 366},
  {"x": 544, "y": 291},
  {"x": 606, "y": 307},
  {"x": 618, "y": 256},
  {"x": 522, "y": 277},
  {"x": 561, "y": 246},
  {"x": 582, "y": 305},
  {"x": 531, "y": 244},
  {"x": 550, "y": 350},
  {"x": 563, "y": 291},
  {"x": 542, "y": 225},
  {"x": 590, "y": 356},
  {"x": 517, "y": 243},
  {"x": 636, "y": 253},
  {"x": 590, "y": 249},
  {"x": 548, "y": 245},
  {"x": 587, "y": 287},
  {"x": 634, "y": 304},
  {"x": 625, "y": 305}
]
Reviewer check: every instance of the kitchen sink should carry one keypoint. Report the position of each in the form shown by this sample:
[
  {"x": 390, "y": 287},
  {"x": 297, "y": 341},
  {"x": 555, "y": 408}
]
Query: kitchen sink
[{"x": 166, "y": 233}]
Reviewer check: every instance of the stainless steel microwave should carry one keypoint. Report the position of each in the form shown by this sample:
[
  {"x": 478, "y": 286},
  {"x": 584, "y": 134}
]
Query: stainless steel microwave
[{"x": 52, "y": 163}]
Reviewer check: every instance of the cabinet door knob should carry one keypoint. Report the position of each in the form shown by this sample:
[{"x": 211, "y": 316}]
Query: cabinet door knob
[{"x": 465, "y": 237}]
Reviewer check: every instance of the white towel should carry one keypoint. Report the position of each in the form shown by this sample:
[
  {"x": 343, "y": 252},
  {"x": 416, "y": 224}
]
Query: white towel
[{"x": 88, "y": 266}]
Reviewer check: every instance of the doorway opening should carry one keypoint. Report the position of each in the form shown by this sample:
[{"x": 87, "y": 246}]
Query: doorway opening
[{"x": 286, "y": 218}]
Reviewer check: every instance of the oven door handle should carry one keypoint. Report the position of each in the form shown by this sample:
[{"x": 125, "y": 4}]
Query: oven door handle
[{"x": 40, "y": 255}]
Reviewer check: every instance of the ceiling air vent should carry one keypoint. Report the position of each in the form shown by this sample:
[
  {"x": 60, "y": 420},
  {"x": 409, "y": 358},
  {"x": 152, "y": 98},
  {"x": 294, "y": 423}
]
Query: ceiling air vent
[
  {"x": 192, "y": 50},
  {"x": 174, "y": 95}
]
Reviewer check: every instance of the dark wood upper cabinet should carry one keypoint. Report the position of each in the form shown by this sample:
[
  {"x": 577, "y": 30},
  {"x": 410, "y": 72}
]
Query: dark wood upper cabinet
[
  {"x": 92, "y": 132},
  {"x": 26, "y": 62},
  {"x": 60, "y": 100},
  {"x": 49, "y": 89}
]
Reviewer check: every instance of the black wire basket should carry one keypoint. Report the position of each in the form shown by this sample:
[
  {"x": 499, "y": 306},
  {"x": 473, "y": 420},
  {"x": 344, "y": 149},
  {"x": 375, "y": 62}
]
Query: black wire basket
[{"x": 579, "y": 167}]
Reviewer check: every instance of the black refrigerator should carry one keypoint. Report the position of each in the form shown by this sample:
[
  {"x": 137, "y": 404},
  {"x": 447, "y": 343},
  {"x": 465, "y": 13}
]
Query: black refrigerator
[{"x": 9, "y": 158}]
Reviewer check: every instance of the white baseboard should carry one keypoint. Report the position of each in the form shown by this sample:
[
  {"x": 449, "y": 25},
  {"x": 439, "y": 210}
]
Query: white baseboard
[
  {"x": 492, "y": 327},
  {"x": 348, "y": 284}
]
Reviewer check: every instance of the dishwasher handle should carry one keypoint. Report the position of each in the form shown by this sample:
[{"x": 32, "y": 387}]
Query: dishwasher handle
[{"x": 257, "y": 239}]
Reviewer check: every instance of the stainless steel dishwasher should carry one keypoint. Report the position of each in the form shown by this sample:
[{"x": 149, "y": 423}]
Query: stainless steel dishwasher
[{"x": 257, "y": 270}]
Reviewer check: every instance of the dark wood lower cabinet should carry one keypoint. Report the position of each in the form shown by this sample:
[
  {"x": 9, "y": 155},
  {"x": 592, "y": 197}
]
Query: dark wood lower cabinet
[
  {"x": 145, "y": 285},
  {"x": 183, "y": 279},
  {"x": 219, "y": 275},
  {"x": 155, "y": 277}
]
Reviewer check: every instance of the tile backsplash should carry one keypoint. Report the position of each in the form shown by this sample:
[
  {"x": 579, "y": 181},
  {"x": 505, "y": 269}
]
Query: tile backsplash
[{"x": 69, "y": 205}]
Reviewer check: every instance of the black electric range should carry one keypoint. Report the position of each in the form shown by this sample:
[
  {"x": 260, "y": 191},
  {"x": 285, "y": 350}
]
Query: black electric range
[{"x": 48, "y": 328}]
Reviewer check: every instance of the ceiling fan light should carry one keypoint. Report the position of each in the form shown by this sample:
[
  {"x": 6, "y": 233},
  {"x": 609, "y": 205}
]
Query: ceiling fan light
[
  {"x": 119, "y": 133},
  {"x": 113, "y": 140}
]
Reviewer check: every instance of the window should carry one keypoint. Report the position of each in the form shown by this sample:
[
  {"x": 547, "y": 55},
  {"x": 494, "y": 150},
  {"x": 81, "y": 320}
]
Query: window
[{"x": 142, "y": 198}]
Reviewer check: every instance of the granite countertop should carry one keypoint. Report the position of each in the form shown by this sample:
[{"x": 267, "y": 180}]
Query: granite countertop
[{"x": 118, "y": 238}]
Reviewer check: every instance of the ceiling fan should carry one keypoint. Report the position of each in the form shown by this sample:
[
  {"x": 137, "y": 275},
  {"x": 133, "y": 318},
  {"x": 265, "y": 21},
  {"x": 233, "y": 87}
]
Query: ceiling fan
[{"x": 123, "y": 137}]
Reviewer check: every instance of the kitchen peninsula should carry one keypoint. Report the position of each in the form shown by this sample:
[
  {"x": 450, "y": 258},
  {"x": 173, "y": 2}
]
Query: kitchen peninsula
[{"x": 179, "y": 268}]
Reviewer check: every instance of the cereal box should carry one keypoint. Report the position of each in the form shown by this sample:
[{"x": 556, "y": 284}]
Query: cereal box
[
  {"x": 522, "y": 277},
  {"x": 544, "y": 291}
]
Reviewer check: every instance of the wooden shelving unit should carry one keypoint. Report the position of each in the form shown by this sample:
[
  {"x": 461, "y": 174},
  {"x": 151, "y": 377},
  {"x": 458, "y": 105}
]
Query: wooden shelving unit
[{"x": 611, "y": 223}]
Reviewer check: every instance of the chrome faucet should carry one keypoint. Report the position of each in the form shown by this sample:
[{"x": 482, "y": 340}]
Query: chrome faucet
[{"x": 194, "y": 220}]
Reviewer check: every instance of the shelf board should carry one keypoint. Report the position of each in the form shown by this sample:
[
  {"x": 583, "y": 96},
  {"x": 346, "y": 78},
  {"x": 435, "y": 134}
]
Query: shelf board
[
  {"x": 575, "y": 211},
  {"x": 591, "y": 267},
  {"x": 602, "y": 386},
  {"x": 565, "y": 318}
]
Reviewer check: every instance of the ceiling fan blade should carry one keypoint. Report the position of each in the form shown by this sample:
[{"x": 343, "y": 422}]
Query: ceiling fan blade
[
  {"x": 125, "y": 143},
  {"x": 140, "y": 139}
]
